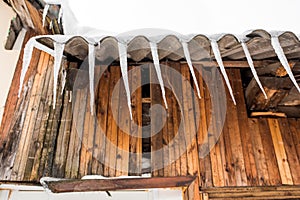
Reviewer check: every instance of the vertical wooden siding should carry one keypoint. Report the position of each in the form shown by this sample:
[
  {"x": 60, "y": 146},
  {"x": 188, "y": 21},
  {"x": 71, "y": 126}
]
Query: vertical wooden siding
[{"x": 43, "y": 141}]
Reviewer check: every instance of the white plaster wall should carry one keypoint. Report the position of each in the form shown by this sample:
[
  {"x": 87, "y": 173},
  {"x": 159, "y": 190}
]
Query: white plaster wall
[
  {"x": 8, "y": 59},
  {"x": 153, "y": 194}
]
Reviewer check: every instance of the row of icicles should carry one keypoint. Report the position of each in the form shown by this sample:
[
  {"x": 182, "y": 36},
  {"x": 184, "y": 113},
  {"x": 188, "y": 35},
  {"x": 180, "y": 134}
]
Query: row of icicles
[{"x": 60, "y": 40}]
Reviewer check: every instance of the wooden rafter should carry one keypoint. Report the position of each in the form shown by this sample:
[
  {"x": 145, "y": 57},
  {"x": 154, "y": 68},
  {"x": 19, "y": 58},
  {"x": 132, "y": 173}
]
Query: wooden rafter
[{"x": 119, "y": 184}]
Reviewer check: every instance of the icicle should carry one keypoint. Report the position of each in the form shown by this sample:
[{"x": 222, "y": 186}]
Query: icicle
[
  {"x": 250, "y": 62},
  {"x": 60, "y": 14},
  {"x": 189, "y": 61},
  {"x": 45, "y": 12},
  {"x": 123, "y": 63},
  {"x": 70, "y": 97},
  {"x": 283, "y": 60},
  {"x": 155, "y": 57},
  {"x": 26, "y": 61},
  {"x": 51, "y": 25},
  {"x": 91, "y": 75},
  {"x": 58, "y": 53},
  {"x": 218, "y": 57},
  {"x": 63, "y": 81}
]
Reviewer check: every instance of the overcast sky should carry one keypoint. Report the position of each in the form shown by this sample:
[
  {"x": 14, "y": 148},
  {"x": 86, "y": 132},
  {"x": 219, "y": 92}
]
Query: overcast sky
[{"x": 189, "y": 16}]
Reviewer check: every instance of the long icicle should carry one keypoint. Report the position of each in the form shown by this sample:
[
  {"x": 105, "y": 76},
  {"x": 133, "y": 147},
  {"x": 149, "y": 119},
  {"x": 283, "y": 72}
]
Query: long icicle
[
  {"x": 189, "y": 62},
  {"x": 91, "y": 75},
  {"x": 283, "y": 60},
  {"x": 124, "y": 67},
  {"x": 215, "y": 48},
  {"x": 45, "y": 12},
  {"x": 250, "y": 62},
  {"x": 60, "y": 13},
  {"x": 155, "y": 57},
  {"x": 58, "y": 54},
  {"x": 26, "y": 62}
]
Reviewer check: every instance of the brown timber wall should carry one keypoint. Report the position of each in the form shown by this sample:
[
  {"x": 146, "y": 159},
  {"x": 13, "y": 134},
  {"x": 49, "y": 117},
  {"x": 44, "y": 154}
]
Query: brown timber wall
[{"x": 39, "y": 141}]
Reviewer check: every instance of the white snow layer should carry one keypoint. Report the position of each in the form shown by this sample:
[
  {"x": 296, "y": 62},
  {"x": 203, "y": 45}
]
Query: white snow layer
[
  {"x": 155, "y": 57},
  {"x": 58, "y": 54},
  {"x": 250, "y": 63},
  {"x": 123, "y": 65},
  {"x": 91, "y": 76},
  {"x": 281, "y": 56},
  {"x": 215, "y": 48},
  {"x": 189, "y": 61}
]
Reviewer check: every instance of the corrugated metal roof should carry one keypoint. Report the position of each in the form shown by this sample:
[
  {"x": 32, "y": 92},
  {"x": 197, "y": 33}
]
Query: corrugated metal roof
[{"x": 170, "y": 47}]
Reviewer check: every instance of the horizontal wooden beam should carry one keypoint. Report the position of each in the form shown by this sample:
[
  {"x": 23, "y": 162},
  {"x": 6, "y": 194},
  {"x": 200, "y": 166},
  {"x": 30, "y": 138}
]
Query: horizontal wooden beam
[
  {"x": 119, "y": 184},
  {"x": 237, "y": 63},
  {"x": 267, "y": 114},
  {"x": 227, "y": 64},
  {"x": 263, "y": 192}
]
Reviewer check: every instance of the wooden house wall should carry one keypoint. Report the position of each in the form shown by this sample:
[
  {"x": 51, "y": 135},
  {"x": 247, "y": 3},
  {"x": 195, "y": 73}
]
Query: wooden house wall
[{"x": 42, "y": 141}]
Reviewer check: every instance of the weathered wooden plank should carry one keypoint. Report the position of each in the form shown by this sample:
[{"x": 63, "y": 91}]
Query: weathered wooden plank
[
  {"x": 248, "y": 153},
  {"x": 36, "y": 116},
  {"x": 207, "y": 179},
  {"x": 78, "y": 132},
  {"x": 190, "y": 125},
  {"x": 119, "y": 184},
  {"x": 201, "y": 126},
  {"x": 258, "y": 149},
  {"x": 215, "y": 153},
  {"x": 26, "y": 135},
  {"x": 190, "y": 131},
  {"x": 178, "y": 120},
  {"x": 86, "y": 141},
  {"x": 112, "y": 126},
  {"x": 235, "y": 140},
  {"x": 165, "y": 131},
  {"x": 65, "y": 131},
  {"x": 54, "y": 132},
  {"x": 295, "y": 131},
  {"x": 156, "y": 126},
  {"x": 71, "y": 148},
  {"x": 291, "y": 152},
  {"x": 9, "y": 150},
  {"x": 172, "y": 141},
  {"x": 280, "y": 152},
  {"x": 43, "y": 127},
  {"x": 51, "y": 135},
  {"x": 135, "y": 140},
  {"x": 265, "y": 192},
  {"x": 229, "y": 174},
  {"x": 12, "y": 97},
  {"x": 102, "y": 109},
  {"x": 268, "y": 149},
  {"x": 123, "y": 120}
]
